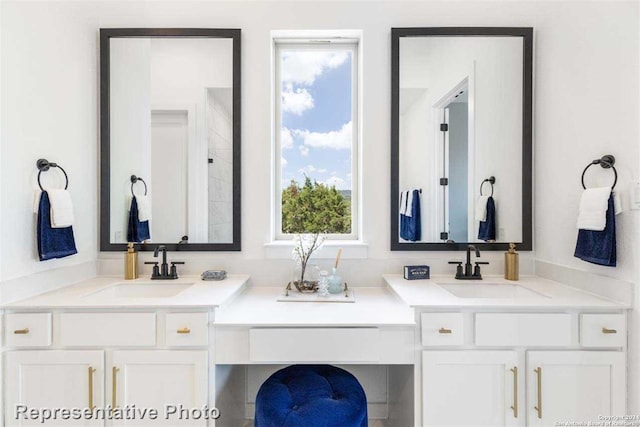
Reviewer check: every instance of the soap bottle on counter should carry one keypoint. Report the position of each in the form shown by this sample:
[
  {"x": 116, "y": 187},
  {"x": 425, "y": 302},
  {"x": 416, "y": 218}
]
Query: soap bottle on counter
[
  {"x": 511, "y": 263},
  {"x": 131, "y": 263}
]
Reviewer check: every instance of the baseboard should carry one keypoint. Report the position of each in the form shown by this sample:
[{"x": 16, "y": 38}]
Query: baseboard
[
  {"x": 45, "y": 281},
  {"x": 607, "y": 287}
]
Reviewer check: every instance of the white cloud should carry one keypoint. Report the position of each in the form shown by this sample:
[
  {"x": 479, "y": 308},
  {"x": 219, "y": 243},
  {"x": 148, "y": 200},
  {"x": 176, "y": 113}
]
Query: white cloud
[
  {"x": 283, "y": 162},
  {"x": 304, "y": 67},
  {"x": 307, "y": 170},
  {"x": 322, "y": 171},
  {"x": 304, "y": 150},
  {"x": 335, "y": 181},
  {"x": 296, "y": 102},
  {"x": 337, "y": 140},
  {"x": 286, "y": 139}
]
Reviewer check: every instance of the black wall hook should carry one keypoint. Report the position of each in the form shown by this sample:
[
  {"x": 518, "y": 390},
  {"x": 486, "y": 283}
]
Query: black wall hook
[
  {"x": 606, "y": 162},
  {"x": 44, "y": 165}
]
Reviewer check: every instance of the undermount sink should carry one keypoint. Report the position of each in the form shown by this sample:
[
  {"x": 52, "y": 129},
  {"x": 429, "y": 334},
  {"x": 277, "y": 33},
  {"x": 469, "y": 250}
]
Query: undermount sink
[
  {"x": 489, "y": 290},
  {"x": 141, "y": 290}
]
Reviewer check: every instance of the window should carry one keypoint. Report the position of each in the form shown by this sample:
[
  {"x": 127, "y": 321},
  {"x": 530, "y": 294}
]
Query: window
[{"x": 316, "y": 136}]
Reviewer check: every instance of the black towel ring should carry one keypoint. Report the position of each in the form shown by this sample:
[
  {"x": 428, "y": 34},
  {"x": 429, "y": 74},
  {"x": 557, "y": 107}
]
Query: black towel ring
[
  {"x": 606, "y": 162},
  {"x": 491, "y": 180},
  {"x": 135, "y": 179},
  {"x": 44, "y": 165}
]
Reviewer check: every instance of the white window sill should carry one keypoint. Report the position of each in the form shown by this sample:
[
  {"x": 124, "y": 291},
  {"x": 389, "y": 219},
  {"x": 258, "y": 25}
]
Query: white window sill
[{"x": 351, "y": 249}]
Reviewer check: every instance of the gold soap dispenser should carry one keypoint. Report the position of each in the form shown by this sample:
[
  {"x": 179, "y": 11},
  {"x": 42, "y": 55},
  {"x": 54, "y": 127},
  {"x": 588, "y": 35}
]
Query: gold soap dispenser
[
  {"x": 131, "y": 263},
  {"x": 511, "y": 263}
]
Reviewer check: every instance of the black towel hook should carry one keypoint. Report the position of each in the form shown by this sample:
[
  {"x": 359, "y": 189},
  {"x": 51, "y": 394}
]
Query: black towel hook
[
  {"x": 135, "y": 179},
  {"x": 491, "y": 180},
  {"x": 44, "y": 165},
  {"x": 606, "y": 162}
]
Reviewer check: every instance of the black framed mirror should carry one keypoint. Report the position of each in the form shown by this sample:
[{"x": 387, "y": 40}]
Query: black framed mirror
[
  {"x": 461, "y": 138},
  {"x": 170, "y": 139}
]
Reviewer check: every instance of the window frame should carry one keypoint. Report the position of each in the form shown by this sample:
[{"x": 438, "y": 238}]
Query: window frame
[{"x": 311, "y": 40}]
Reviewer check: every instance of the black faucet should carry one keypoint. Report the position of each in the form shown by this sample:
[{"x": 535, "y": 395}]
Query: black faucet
[
  {"x": 470, "y": 272},
  {"x": 163, "y": 272}
]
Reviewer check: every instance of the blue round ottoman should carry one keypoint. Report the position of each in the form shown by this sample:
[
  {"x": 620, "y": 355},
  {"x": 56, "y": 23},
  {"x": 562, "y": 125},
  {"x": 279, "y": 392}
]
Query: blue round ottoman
[{"x": 311, "y": 396}]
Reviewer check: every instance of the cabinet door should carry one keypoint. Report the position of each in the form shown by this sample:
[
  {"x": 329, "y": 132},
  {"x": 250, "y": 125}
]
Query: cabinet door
[
  {"x": 574, "y": 386},
  {"x": 470, "y": 388},
  {"x": 53, "y": 379},
  {"x": 155, "y": 379}
]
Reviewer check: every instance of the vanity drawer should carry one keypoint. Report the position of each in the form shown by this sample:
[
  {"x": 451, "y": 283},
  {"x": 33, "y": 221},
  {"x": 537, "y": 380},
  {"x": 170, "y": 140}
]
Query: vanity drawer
[
  {"x": 603, "y": 330},
  {"x": 512, "y": 329},
  {"x": 107, "y": 329},
  {"x": 186, "y": 329},
  {"x": 290, "y": 345},
  {"x": 440, "y": 329},
  {"x": 27, "y": 329}
]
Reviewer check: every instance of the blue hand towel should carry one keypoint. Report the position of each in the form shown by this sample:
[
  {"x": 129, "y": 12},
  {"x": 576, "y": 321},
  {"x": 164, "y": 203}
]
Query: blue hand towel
[
  {"x": 414, "y": 223},
  {"x": 137, "y": 231},
  {"x": 411, "y": 226},
  {"x": 52, "y": 242},
  {"x": 599, "y": 247},
  {"x": 487, "y": 228}
]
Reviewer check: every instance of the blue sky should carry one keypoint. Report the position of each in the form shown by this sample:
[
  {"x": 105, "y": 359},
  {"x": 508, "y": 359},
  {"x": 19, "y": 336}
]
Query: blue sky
[{"x": 316, "y": 117}]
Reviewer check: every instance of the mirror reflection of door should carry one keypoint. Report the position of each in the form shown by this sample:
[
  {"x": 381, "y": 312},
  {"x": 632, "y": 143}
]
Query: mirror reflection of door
[{"x": 457, "y": 154}]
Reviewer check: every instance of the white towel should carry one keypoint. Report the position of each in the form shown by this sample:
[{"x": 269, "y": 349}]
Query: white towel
[
  {"x": 403, "y": 202},
  {"x": 144, "y": 208},
  {"x": 409, "y": 203},
  {"x": 593, "y": 208},
  {"x": 481, "y": 208},
  {"x": 36, "y": 201},
  {"x": 61, "y": 208}
]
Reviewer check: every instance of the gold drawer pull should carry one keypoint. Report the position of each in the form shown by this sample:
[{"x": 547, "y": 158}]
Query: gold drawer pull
[
  {"x": 515, "y": 391},
  {"x": 114, "y": 387},
  {"x": 91, "y": 371},
  {"x": 444, "y": 331},
  {"x": 538, "y": 408},
  {"x": 609, "y": 331},
  {"x": 184, "y": 331},
  {"x": 21, "y": 331}
]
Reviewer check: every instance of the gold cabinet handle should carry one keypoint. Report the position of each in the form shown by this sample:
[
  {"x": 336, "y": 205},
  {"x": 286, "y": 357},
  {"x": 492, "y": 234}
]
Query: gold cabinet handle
[
  {"x": 609, "y": 331},
  {"x": 184, "y": 331},
  {"x": 538, "y": 408},
  {"x": 444, "y": 331},
  {"x": 515, "y": 391},
  {"x": 114, "y": 386},
  {"x": 21, "y": 331},
  {"x": 91, "y": 371}
]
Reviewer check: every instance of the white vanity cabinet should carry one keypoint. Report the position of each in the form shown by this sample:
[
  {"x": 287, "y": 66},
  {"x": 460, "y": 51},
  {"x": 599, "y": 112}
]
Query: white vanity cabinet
[
  {"x": 521, "y": 369},
  {"x": 574, "y": 386},
  {"x": 145, "y": 358},
  {"x": 468, "y": 388},
  {"x": 53, "y": 379},
  {"x": 155, "y": 378}
]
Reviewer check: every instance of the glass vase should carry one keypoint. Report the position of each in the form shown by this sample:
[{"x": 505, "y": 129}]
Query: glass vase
[{"x": 305, "y": 280}]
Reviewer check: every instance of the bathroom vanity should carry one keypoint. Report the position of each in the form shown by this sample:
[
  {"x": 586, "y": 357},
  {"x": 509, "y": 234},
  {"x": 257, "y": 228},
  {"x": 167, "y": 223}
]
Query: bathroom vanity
[{"x": 526, "y": 353}]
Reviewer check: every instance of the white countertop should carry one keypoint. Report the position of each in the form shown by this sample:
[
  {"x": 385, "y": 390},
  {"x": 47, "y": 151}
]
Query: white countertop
[
  {"x": 372, "y": 307},
  {"x": 427, "y": 294},
  {"x": 82, "y": 295}
]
